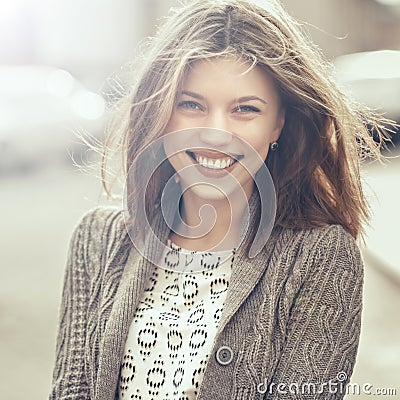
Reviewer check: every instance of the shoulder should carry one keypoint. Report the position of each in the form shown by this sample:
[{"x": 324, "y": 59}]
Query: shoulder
[
  {"x": 334, "y": 245},
  {"x": 319, "y": 266},
  {"x": 99, "y": 217},
  {"x": 101, "y": 235},
  {"x": 328, "y": 248}
]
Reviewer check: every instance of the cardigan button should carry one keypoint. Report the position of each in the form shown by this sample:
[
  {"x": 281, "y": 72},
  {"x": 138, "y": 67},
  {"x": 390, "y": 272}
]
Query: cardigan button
[{"x": 224, "y": 355}]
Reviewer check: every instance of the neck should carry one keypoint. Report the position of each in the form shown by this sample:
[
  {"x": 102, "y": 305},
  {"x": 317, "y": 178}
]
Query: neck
[{"x": 211, "y": 225}]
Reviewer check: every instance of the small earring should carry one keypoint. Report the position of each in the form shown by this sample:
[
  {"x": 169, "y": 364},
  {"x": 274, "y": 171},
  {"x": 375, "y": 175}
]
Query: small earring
[
  {"x": 273, "y": 146},
  {"x": 176, "y": 178}
]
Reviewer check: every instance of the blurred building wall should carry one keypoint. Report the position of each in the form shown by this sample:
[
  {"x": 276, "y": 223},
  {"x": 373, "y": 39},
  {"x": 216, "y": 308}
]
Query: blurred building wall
[
  {"x": 93, "y": 37},
  {"x": 347, "y": 26}
]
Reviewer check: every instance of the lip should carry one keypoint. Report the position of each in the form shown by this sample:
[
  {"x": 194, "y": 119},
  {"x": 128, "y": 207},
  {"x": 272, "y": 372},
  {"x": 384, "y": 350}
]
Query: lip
[{"x": 213, "y": 173}]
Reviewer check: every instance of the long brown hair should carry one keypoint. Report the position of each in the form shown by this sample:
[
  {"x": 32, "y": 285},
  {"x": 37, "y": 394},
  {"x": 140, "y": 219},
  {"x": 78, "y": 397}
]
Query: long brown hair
[{"x": 316, "y": 167}]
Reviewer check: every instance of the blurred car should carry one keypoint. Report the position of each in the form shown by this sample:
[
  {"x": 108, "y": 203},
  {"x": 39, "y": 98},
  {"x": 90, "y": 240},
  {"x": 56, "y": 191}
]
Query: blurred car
[
  {"x": 373, "y": 78},
  {"x": 41, "y": 109}
]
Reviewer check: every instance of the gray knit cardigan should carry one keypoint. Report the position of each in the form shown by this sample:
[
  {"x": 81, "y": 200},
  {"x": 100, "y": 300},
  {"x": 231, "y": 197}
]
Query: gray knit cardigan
[{"x": 290, "y": 324}]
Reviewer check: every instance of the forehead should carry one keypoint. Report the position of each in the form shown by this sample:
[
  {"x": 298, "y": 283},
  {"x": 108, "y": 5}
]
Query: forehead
[{"x": 228, "y": 73}]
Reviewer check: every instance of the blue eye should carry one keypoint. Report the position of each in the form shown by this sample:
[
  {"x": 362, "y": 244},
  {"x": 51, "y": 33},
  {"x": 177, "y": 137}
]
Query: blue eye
[
  {"x": 189, "y": 105},
  {"x": 247, "y": 109}
]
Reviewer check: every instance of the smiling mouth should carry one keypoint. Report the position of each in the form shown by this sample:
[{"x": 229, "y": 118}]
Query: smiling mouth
[{"x": 214, "y": 161}]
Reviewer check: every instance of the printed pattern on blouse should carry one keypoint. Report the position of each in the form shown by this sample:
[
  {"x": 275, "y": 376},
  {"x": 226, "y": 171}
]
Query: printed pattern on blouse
[{"x": 173, "y": 330}]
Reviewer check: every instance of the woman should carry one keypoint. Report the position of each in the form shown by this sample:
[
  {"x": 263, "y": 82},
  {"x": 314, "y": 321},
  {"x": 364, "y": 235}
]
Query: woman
[{"x": 241, "y": 286}]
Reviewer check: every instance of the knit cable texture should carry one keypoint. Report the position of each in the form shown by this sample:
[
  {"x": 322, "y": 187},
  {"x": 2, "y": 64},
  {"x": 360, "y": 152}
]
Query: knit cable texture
[{"x": 292, "y": 315}]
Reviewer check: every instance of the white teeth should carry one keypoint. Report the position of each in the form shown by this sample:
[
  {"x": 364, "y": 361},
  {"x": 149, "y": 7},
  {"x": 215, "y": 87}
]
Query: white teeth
[
  {"x": 210, "y": 164},
  {"x": 219, "y": 163}
]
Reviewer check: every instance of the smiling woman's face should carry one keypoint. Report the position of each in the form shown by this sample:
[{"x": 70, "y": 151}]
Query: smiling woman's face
[{"x": 219, "y": 93}]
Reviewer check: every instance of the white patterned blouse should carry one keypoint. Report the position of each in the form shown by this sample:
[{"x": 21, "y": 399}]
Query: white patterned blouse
[{"x": 172, "y": 332}]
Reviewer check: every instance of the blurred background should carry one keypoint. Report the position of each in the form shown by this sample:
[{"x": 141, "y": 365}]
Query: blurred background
[{"x": 56, "y": 60}]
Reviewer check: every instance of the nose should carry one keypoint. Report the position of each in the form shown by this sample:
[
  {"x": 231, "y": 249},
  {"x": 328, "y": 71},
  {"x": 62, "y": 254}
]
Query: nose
[{"x": 216, "y": 130}]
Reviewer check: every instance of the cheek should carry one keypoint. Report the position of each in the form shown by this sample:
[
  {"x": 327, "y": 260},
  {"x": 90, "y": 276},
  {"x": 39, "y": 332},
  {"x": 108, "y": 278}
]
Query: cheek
[
  {"x": 263, "y": 149},
  {"x": 173, "y": 122},
  {"x": 170, "y": 126},
  {"x": 174, "y": 160},
  {"x": 177, "y": 121},
  {"x": 178, "y": 161},
  {"x": 259, "y": 141},
  {"x": 264, "y": 135}
]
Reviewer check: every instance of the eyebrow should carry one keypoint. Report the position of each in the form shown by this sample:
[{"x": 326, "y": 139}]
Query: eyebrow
[{"x": 239, "y": 100}]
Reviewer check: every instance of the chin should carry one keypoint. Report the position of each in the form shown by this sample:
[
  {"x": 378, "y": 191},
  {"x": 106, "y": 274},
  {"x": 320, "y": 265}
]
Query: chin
[
  {"x": 207, "y": 192},
  {"x": 214, "y": 193}
]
